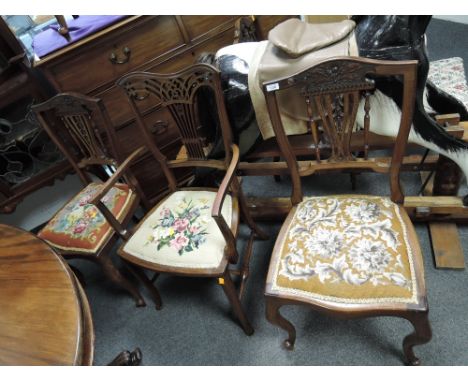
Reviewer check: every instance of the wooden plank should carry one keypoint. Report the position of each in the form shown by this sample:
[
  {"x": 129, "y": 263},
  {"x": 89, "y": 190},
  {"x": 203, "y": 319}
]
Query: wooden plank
[
  {"x": 440, "y": 204},
  {"x": 436, "y": 208},
  {"x": 448, "y": 252},
  {"x": 410, "y": 163},
  {"x": 439, "y": 208},
  {"x": 446, "y": 246},
  {"x": 448, "y": 119},
  {"x": 303, "y": 145},
  {"x": 464, "y": 126},
  {"x": 455, "y": 131}
]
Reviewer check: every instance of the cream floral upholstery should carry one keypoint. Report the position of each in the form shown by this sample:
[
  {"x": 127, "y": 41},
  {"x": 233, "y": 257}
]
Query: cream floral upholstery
[
  {"x": 180, "y": 232},
  {"x": 79, "y": 226},
  {"x": 347, "y": 248}
]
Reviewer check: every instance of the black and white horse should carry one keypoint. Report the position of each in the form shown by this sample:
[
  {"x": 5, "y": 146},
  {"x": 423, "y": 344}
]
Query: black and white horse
[{"x": 379, "y": 37}]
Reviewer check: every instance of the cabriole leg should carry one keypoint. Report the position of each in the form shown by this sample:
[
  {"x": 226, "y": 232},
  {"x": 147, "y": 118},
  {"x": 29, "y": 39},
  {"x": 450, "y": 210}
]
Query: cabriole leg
[
  {"x": 274, "y": 317},
  {"x": 421, "y": 335}
]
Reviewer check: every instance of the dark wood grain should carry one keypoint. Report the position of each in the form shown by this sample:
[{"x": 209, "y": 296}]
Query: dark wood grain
[{"x": 41, "y": 319}]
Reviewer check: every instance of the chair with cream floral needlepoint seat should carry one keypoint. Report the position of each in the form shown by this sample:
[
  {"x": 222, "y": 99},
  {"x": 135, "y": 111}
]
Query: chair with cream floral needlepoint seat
[
  {"x": 193, "y": 231},
  {"x": 90, "y": 223},
  {"x": 346, "y": 255}
]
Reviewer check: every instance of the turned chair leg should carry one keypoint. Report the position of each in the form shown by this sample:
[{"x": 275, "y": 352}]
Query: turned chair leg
[
  {"x": 422, "y": 334},
  {"x": 231, "y": 293},
  {"x": 141, "y": 275},
  {"x": 112, "y": 272},
  {"x": 274, "y": 316},
  {"x": 127, "y": 358}
]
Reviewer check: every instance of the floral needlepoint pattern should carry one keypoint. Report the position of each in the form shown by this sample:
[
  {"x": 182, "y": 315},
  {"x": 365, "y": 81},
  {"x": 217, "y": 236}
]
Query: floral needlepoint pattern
[
  {"x": 347, "y": 248},
  {"x": 183, "y": 229},
  {"x": 180, "y": 232},
  {"x": 81, "y": 226}
]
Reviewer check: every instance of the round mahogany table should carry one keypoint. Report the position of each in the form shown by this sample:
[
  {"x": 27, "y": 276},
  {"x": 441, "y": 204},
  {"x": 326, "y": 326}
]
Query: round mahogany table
[{"x": 44, "y": 315}]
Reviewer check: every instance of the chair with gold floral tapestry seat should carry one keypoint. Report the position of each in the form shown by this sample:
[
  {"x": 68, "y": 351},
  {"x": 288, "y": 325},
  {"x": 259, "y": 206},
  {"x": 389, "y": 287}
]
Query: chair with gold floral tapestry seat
[
  {"x": 192, "y": 231},
  {"x": 89, "y": 224},
  {"x": 346, "y": 255}
]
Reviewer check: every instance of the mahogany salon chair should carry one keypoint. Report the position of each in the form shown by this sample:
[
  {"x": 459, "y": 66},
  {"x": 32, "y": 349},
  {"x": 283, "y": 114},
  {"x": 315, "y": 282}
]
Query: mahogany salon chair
[
  {"x": 346, "y": 256},
  {"x": 192, "y": 231},
  {"x": 89, "y": 224}
]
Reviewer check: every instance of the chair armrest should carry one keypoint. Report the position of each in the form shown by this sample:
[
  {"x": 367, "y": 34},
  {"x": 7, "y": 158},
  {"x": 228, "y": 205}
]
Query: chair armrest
[
  {"x": 232, "y": 254},
  {"x": 111, "y": 219},
  {"x": 224, "y": 187},
  {"x": 117, "y": 175}
]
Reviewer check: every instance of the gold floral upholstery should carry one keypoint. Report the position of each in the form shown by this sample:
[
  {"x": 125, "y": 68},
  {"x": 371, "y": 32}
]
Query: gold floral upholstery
[
  {"x": 180, "y": 232},
  {"x": 80, "y": 226},
  {"x": 346, "y": 248}
]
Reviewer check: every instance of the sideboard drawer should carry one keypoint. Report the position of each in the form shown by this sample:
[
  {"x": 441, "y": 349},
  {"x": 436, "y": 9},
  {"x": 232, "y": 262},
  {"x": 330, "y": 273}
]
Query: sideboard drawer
[
  {"x": 118, "y": 106},
  {"x": 199, "y": 25},
  {"x": 189, "y": 57},
  {"x": 159, "y": 123},
  {"x": 111, "y": 58}
]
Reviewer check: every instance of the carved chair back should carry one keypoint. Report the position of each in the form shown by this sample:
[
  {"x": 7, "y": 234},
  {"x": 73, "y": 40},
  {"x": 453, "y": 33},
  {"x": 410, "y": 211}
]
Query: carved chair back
[
  {"x": 332, "y": 91},
  {"x": 81, "y": 128},
  {"x": 181, "y": 93}
]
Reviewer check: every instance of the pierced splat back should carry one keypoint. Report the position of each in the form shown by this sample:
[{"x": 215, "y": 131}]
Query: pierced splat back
[
  {"x": 179, "y": 93},
  {"x": 332, "y": 91},
  {"x": 81, "y": 128}
]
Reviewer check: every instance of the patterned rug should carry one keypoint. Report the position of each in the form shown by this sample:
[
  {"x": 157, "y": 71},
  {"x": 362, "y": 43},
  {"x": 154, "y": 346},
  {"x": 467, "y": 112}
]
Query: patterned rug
[{"x": 449, "y": 75}]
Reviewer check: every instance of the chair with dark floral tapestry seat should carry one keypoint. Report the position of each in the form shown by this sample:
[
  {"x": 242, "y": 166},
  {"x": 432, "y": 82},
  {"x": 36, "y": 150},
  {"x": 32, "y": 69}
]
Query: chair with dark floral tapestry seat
[
  {"x": 347, "y": 256},
  {"x": 192, "y": 231},
  {"x": 89, "y": 224}
]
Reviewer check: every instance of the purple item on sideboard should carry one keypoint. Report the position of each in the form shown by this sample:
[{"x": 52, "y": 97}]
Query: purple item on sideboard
[{"x": 50, "y": 40}]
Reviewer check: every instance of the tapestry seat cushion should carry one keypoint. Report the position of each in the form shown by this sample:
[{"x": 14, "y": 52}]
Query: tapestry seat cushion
[
  {"x": 346, "y": 249},
  {"x": 79, "y": 226},
  {"x": 180, "y": 232}
]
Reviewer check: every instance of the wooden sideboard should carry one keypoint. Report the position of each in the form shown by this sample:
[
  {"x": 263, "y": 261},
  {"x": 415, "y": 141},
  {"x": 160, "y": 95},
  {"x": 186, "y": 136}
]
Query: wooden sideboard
[{"x": 160, "y": 44}]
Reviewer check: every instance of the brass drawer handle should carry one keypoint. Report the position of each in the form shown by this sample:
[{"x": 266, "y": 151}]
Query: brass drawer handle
[
  {"x": 159, "y": 127},
  {"x": 116, "y": 61}
]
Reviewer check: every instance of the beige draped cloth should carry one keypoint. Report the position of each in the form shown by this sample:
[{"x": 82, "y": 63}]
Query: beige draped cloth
[{"x": 292, "y": 47}]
